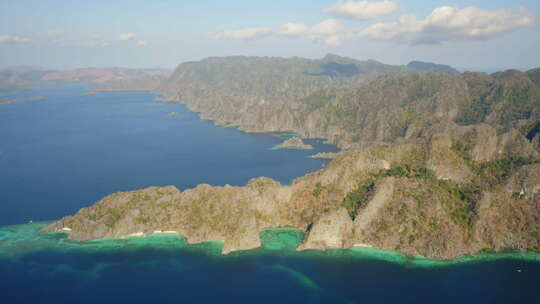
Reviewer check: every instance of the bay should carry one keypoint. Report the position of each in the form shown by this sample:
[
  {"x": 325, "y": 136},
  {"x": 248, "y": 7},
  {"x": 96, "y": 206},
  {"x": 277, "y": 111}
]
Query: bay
[{"x": 69, "y": 149}]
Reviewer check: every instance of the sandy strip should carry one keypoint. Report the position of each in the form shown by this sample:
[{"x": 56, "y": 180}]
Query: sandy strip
[
  {"x": 165, "y": 232},
  {"x": 65, "y": 229},
  {"x": 135, "y": 234},
  {"x": 362, "y": 245}
]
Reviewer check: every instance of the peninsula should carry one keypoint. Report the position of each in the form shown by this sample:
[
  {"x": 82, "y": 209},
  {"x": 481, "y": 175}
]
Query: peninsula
[{"x": 441, "y": 164}]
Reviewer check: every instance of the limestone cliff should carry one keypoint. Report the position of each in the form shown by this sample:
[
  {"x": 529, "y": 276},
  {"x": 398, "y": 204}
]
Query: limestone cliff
[
  {"x": 383, "y": 196},
  {"x": 378, "y": 104}
]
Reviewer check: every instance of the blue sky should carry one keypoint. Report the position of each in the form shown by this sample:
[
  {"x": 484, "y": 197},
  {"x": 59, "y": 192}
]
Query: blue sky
[{"x": 474, "y": 35}]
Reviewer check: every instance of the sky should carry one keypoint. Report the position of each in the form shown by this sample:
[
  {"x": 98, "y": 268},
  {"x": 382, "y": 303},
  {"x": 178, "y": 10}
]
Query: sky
[{"x": 482, "y": 35}]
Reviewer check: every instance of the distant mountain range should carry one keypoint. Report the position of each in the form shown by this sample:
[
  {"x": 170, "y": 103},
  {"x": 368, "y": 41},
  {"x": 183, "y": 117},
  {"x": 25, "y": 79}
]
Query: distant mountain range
[
  {"x": 17, "y": 78},
  {"x": 117, "y": 78},
  {"x": 430, "y": 67}
]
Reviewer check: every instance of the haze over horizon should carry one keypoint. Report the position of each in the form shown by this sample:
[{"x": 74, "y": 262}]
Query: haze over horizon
[{"x": 469, "y": 35}]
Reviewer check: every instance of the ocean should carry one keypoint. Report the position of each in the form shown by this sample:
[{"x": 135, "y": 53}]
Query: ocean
[{"x": 69, "y": 149}]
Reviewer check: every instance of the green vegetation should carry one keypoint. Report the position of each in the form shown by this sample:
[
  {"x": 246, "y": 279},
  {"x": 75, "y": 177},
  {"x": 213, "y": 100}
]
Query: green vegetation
[
  {"x": 113, "y": 216},
  {"x": 495, "y": 172},
  {"x": 463, "y": 146},
  {"x": 522, "y": 100},
  {"x": 518, "y": 101},
  {"x": 460, "y": 201},
  {"x": 355, "y": 199},
  {"x": 475, "y": 111},
  {"x": 408, "y": 172},
  {"x": 423, "y": 87},
  {"x": 316, "y": 100},
  {"x": 318, "y": 189}
]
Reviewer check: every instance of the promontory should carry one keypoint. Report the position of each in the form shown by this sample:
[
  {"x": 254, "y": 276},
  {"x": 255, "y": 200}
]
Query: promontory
[{"x": 440, "y": 164}]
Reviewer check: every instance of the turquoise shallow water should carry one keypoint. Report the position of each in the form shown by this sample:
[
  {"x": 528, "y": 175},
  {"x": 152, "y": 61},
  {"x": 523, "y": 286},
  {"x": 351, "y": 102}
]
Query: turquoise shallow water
[
  {"x": 68, "y": 150},
  {"x": 164, "y": 268}
]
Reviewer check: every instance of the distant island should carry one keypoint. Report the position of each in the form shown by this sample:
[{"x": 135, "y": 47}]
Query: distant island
[
  {"x": 439, "y": 164},
  {"x": 6, "y": 101},
  {"x": 107, "y": 79},
  {"x": 294, "y": 143}
]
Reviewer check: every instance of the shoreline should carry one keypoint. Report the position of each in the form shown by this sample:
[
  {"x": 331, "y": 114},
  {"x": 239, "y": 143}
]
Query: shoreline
[
  {"x": 25, "y": 233},
  {"x": 96, "y": 91}
]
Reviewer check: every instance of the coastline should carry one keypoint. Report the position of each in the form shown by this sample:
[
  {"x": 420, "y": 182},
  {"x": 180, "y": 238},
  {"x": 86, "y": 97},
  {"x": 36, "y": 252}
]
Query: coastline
[
  {"x": 19, "y": 240},
  {"x": 98, "y": 90}
]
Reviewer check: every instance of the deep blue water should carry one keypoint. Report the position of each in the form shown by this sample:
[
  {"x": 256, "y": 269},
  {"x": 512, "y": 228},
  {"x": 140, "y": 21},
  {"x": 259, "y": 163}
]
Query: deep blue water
[
  {"x": 69, "y": 150},
  {"x": 161, "y": 276}
]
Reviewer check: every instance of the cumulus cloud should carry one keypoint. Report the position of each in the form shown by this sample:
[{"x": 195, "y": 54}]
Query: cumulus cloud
[
  {"x": 293, "y": 29},
  {"x": 244, "y": 34},
  {"x": 330, "y": 32},
  {"x": 451, "y": 23},
  {"x": 9, "y": 39},
  {"x": 362, "y": 10},
  {"x": 141, "y": 42},
  {"x": 445, "y": 23},
  {"x": 127, "y": 36}
]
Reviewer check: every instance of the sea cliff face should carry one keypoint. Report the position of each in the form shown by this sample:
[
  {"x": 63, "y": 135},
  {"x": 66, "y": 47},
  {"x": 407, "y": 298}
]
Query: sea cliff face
[{"x": 446, "y": 164}]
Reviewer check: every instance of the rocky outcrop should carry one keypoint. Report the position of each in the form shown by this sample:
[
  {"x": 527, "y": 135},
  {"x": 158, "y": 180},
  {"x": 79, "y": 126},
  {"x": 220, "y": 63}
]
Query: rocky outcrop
[
  {"x": 295, "y": 143},
  {"x": 333, "y": 230},
  {"x": 407, "y": 207}
]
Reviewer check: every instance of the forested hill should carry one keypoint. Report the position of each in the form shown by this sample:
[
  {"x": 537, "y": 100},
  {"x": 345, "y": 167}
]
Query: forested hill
[
  {"x": 352, "y": 103},
  {"x": 422, "y": 66}
]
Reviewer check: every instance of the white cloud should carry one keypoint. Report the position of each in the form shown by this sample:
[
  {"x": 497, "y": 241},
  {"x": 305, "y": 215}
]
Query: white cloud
[
  {"x": 8, "y": 39},
  {"x": 450, "y": 23},
  {"x": 127, "y": 36},
  {"x": 330, "y": 32},
  {"x": 244, "y": 34},
  {"x": 293, "y": 29},
  {"x": 362, "y": 10},
  {"x": 141, "y": 43}
]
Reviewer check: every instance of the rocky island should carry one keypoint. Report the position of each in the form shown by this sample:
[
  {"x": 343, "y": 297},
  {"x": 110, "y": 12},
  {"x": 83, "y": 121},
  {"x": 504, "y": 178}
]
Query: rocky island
[
  {"x": 443, "y": 165},
  {"x": 294, "y": 143}
]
